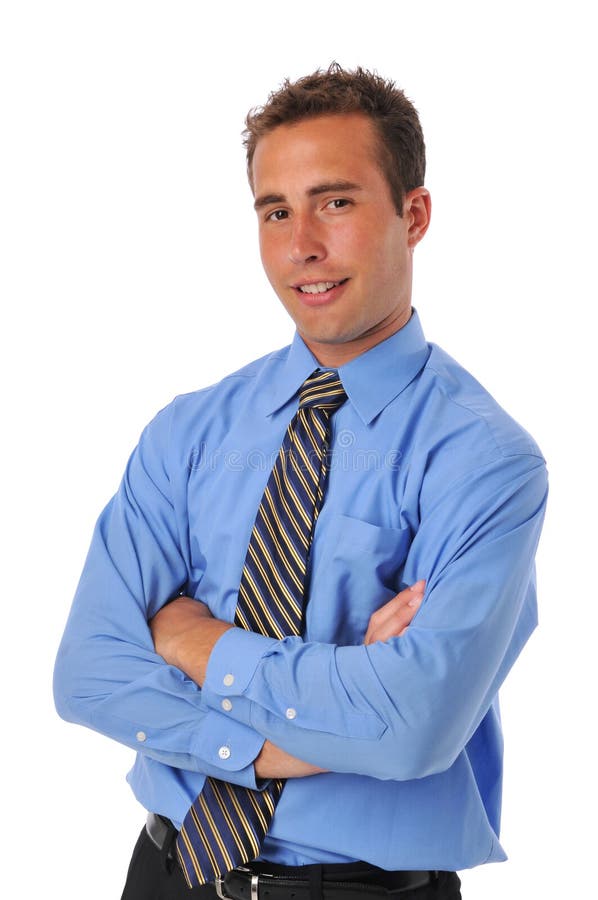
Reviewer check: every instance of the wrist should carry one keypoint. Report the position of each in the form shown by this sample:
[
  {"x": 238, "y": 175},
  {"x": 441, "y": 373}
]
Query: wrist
[
  {"x": 194, "y": 653},
  {"x": 202, "y": 652}
]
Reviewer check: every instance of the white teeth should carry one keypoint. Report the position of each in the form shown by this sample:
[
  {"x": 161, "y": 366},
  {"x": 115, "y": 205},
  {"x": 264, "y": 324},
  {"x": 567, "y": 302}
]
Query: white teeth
[{"x": 318, "y": 288}]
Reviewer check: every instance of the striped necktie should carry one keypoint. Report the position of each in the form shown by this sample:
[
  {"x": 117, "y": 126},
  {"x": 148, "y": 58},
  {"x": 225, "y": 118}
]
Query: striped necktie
[{"x": 226, "y": 824}]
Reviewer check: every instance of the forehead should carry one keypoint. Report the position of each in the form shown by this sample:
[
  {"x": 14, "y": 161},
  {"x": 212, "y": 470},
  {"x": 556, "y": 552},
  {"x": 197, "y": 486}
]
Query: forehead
[{"x": 331, "y": 146}]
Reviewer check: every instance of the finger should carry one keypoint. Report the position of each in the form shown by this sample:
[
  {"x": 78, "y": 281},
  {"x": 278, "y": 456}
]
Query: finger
[
  {"x": 409, "y": 597},
  {"x": 392, "y": 626},
  {"x": 406, "y": 602},
  {"x": 391, "y": 629}
]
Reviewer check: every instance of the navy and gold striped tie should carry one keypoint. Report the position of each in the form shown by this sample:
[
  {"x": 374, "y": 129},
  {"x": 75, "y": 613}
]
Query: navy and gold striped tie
[{"x": 227, "y": 823}]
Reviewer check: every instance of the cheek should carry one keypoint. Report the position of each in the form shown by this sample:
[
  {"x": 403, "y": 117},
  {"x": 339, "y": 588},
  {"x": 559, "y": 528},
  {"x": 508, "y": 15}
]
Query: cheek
[
  {"x": 272, "y": 255},
  {"x": 347, "y": 243},
  {"x": 366, "y": 247},
  {"x": 388, "y": 255},
  {"x": 264, "y": 251}
]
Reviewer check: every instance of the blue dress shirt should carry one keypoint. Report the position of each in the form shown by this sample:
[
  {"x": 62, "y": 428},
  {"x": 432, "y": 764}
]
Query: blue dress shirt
[{"x": 429, "y": 479}]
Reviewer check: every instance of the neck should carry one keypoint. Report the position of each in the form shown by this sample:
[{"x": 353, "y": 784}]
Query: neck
[{"x": 334, "y": 355}]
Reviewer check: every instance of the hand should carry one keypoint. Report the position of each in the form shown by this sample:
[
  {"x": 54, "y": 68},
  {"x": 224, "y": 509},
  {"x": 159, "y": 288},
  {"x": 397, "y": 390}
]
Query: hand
[
  {"x": 184, "y": 633},
  {"x": 272, "y": 762},
  {"x": 392, "y": 619}
]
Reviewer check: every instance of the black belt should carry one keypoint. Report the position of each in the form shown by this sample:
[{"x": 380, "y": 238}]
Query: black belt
[
  {"x": 246, "y": 884},
  {"x": 266, "y": 881}
]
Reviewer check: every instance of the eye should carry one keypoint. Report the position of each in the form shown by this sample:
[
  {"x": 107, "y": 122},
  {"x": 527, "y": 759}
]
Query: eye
[
  {"x": 277, "y": 215},
  {"x": 338, "y": 203}
]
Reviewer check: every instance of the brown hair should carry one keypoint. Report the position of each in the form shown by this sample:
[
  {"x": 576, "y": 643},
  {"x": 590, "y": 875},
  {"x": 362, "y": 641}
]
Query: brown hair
[{"x": 402, "y": 152}]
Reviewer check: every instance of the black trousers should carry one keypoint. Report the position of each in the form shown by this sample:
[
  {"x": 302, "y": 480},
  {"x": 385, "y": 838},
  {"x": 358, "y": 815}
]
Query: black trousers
[{"x": 154, "y": 875}]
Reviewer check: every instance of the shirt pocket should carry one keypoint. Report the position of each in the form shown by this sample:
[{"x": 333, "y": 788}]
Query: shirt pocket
[{"x": 358, "y": 570}]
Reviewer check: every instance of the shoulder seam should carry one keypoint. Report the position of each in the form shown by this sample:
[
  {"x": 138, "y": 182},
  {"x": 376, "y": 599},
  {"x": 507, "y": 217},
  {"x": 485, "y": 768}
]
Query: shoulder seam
[{"x": 481, "y": 418}]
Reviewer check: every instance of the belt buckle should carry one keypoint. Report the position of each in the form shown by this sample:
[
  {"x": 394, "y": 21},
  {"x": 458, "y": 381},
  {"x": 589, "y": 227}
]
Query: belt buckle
[{"x": 219, "y": 885}]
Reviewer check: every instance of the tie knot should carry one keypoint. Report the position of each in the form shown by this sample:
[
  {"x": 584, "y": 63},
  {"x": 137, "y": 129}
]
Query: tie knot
[{"x": 323, "y": 389}]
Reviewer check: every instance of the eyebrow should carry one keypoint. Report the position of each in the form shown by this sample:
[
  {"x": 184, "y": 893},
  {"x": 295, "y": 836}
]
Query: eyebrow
[{"x": 326, "y": 187}]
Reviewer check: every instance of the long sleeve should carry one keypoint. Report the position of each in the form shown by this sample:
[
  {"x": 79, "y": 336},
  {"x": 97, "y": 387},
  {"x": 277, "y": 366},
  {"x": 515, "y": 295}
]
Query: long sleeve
[
  {"x": 429, "y": 479},
  {"x": 108, "y": 675},
  {"x": 406, "y": 708}
]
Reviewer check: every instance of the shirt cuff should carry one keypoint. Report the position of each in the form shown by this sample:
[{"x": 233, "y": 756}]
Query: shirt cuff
[
  {"x": 228, "y": 747},
  {"x": 269, "y": 684},
  {"x": 232, "y": 664}
]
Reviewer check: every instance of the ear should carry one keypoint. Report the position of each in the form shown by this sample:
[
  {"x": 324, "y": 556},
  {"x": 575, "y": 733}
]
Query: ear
[{"x": 417, "y": 209}]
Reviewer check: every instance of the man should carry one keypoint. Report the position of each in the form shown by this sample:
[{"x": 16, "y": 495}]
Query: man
[{"x": 315, "y": 710}]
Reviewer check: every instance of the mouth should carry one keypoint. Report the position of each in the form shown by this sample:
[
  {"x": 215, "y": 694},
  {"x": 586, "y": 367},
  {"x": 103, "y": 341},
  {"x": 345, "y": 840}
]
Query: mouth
[{"x": 315, "y": 293}]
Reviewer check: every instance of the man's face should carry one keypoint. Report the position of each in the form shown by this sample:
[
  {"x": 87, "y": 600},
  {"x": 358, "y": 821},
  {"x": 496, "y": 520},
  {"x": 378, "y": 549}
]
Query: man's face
[{"x": 332, "y": 244}]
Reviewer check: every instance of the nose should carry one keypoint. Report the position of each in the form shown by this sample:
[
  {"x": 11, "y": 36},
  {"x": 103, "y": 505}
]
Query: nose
[{"x": 306, "y": 244}]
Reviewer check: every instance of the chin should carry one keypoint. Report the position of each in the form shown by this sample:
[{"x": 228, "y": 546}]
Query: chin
[{"x": 326, "y": 336}]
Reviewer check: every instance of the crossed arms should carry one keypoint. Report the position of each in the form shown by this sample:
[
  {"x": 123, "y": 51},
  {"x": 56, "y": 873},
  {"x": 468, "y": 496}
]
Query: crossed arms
[
  {"x": 185, "y": 633},
  {"x": 388, "y": 708}
]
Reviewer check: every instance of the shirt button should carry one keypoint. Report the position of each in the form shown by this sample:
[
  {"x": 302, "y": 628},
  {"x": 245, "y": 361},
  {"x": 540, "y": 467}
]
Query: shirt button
[
  {"x": 224, "y": 753},
  {"x": 228, "y": 680},
  {"x": 141, "y": 736},
  {"x": 227, "y": 705},
  {"x": 291, "y": 713}
]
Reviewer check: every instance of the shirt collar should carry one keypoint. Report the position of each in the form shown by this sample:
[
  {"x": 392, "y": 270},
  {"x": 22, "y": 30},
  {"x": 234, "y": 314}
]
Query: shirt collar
[{"x": 371, "y": 380}]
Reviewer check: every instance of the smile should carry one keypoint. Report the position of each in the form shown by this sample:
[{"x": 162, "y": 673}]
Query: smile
[
  {"x": 320, "y": 287},
  {"x": 318, "y": 292}
]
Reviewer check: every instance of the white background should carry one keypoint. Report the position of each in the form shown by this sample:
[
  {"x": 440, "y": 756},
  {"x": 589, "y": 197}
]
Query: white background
[{"x": 130, "y": 273}]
